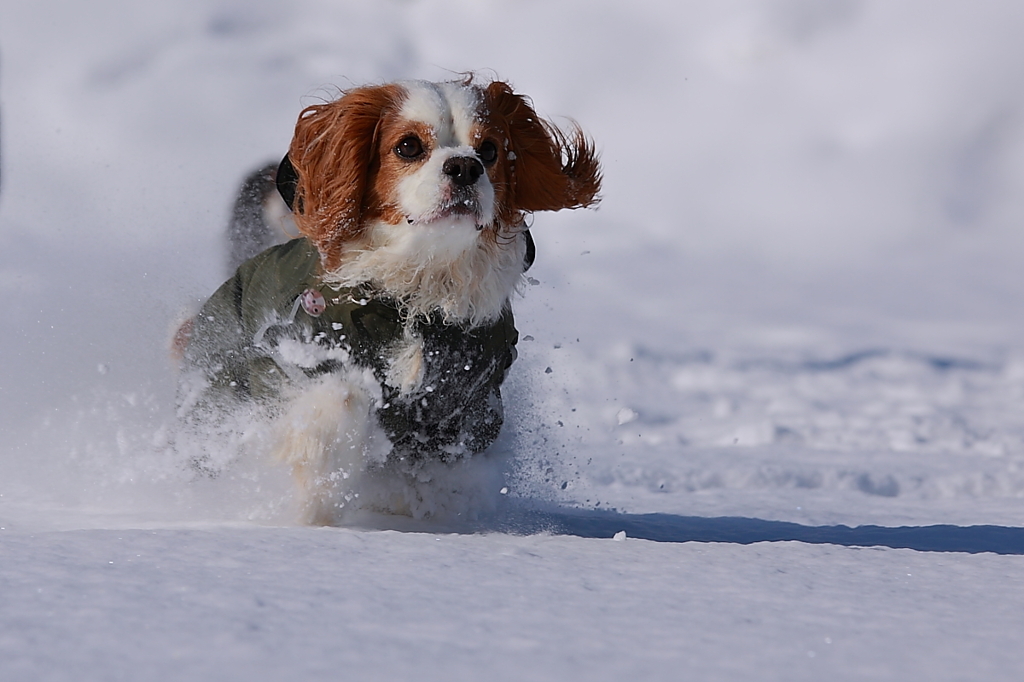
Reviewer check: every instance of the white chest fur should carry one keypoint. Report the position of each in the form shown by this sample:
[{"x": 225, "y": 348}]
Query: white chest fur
[{"x": 448, "y": 268}]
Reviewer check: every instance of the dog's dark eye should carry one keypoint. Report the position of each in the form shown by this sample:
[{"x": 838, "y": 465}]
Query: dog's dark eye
[
  {"x": 409, "y": 148},
  {"x": 488, "y": 153}
]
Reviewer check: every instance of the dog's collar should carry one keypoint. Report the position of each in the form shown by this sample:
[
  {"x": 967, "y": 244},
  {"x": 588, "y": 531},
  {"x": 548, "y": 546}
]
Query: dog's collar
[{"x": 531, "y": 251}]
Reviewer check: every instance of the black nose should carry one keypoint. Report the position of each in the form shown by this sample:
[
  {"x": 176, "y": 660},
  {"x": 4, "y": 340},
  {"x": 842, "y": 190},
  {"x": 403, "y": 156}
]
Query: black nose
[{"x": 463, "y": 170}]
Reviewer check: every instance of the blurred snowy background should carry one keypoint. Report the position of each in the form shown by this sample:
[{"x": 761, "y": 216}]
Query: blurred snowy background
[
  {"x": 804, "y": 274},
  {"x": 799, "y": 300}
]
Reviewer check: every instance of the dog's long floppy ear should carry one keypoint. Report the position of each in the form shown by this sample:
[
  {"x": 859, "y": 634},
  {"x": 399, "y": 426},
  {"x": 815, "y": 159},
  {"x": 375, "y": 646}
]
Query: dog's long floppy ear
[
  {"x": 551, "y": 169},
  {"x": 332, "y": 155}
]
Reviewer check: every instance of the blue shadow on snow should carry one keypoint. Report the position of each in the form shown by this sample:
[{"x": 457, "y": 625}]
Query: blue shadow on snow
[{"x": 744, "y": 531}]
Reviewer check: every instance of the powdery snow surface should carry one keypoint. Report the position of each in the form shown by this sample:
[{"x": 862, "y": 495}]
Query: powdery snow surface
[
  {"x": 787, "y": 350},
  {"x": 245, "y": 603}
]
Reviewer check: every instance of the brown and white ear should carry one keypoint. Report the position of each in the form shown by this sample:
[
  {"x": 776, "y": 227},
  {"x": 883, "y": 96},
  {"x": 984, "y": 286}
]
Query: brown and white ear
[
  {"x": 551, "y": 169},
  {"x": 332, "y": 152}
]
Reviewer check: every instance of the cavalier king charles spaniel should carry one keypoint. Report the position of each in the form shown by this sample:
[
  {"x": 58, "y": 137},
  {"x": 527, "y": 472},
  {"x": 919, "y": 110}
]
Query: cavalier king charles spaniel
[{"x": 384, "y": 332}]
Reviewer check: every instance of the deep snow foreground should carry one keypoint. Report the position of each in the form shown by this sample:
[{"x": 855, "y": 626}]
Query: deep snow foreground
[
  {"x": 798, "y": 304},
  {"x": 244, "y": 603}
]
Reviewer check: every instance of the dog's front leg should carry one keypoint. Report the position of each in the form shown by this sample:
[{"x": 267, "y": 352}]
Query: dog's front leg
[{"x": 327, "y": 435}]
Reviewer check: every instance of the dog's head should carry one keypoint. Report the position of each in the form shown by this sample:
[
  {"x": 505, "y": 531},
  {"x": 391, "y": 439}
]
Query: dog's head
[{"x": 471, "y": 159}]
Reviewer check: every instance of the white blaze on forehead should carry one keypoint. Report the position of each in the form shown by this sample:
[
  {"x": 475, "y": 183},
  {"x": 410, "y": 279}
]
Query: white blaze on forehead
[{"x": 450, "y": 109}]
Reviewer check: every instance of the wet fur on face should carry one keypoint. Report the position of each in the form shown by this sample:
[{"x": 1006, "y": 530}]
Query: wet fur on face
[{"x": 423, "y": 188}]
